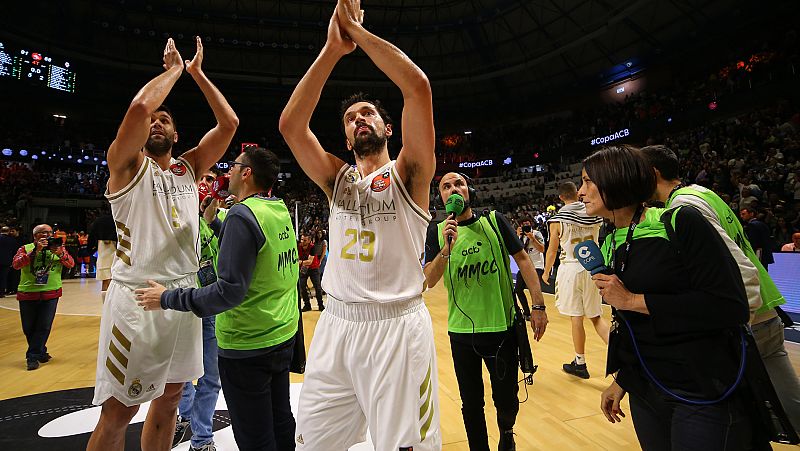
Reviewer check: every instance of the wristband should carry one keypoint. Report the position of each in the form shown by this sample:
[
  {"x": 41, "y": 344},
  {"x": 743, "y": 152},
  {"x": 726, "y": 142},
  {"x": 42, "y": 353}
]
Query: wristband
[
  {"x": 538, "y": 307},
  {"x": 445, "y": 257}
]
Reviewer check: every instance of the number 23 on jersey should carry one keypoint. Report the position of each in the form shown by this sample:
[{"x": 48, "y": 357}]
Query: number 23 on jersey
[{"x": 366, "y": 245}]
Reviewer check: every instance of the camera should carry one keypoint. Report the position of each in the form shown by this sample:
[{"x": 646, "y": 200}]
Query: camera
[
  {"x": 526, "y": 229},
  {"x": 54, "y": 241}
]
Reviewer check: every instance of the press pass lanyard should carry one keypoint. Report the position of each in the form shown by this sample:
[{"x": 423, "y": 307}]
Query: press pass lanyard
[{"x": 628, "y": 241}]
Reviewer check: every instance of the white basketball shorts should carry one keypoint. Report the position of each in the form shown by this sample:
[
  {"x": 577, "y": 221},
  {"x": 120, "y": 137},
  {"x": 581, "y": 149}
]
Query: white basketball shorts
[
  {"x": 373, "y": 365},
  {"x": 105, "y": 258},
  {"x": 141, "y": 351},
  {"x": 576, "y": 294}
]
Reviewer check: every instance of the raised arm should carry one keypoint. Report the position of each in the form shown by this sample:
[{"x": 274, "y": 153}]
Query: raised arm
[
  {"x": 124, "y": 155},
  {"x": 416, "y": 163},
  {"x": 294, "y": 125},
  {"x": 216, "y": 141},
  {"x": 552, "y": 251}
]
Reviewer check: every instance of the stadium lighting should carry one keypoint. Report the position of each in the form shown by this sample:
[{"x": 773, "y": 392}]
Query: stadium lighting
[
  {"x": 104, "y": 163},
  {"x": 34, "y": 157},
  {"x": 7, "y": 152},
  {"x": 468, "y": 132},
  {"x": 23, "y": 153}
]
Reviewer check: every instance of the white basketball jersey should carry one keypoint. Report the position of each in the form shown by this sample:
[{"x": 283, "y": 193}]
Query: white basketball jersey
[
  {"x": 156, "y": 216},
  {"x": 576, "y": 226},
  {"x": 377, "y": 238}
]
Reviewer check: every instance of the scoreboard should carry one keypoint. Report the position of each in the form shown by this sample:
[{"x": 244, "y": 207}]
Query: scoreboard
[{"x": 36, "y": 67}]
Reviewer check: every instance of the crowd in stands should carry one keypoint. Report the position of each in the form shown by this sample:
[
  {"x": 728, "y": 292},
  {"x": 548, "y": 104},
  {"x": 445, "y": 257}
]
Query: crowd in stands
[
  {"x": 751, "y": 158},
  {"x": 49, "y": 180},
  {"x": 752, "y": 64}
]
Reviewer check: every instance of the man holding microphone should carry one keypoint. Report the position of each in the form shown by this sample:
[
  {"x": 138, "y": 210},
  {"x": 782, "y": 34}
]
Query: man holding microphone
[{"x": 464, "y": 250}]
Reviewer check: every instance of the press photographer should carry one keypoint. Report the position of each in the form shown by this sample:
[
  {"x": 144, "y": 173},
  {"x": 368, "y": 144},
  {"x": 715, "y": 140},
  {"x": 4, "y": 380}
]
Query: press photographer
[{"x": 40, "y": 264}]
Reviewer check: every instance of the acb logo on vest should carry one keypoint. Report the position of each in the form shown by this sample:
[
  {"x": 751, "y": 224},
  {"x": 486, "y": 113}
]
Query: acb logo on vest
[{"x": 472, "y": 250}]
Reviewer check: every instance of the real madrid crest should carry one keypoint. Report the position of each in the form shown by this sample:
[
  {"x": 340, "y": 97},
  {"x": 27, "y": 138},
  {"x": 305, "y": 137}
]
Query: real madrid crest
[
  {"x": 351, "y": 176},
  {"x": 135, "y": 389}
]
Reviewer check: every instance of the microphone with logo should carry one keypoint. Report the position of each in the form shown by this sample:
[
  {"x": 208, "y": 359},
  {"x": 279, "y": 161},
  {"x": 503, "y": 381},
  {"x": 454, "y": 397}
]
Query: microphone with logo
[
  {"x": 454, "y": 207},
  {"x": 591, "y": 258}
]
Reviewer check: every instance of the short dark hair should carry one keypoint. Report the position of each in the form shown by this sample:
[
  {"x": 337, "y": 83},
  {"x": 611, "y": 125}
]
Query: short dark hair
[
  {"x": 167, "y": 110},
  {"x": 264, "y": 164},
  {"x": 664, "y": 159},
  {"x": 622, "y": 175},
  {"x": 568, "y": 190},
  {"x": 361, "y": 97}
]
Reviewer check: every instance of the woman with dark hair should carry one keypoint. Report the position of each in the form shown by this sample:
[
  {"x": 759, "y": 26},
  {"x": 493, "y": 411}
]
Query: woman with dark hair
[{"x": 679, "y": 305}]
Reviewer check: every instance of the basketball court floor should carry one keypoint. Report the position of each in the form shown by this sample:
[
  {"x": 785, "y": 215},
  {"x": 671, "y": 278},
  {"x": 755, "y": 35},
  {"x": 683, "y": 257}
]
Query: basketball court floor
[{"x": 50, "y": 408}]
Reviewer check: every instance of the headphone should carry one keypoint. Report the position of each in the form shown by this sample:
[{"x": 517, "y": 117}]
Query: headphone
[{"x": 471, "y": 191}]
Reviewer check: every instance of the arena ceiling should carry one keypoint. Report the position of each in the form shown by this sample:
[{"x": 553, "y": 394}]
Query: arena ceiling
[{"x": 484, "y": 52}]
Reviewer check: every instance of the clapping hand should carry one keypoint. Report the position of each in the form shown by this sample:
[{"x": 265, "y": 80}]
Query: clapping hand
[
  {"x": 194, "y": 66},
  {"x": 172, "y": 57},
  {"x": 336, "y": 39}
]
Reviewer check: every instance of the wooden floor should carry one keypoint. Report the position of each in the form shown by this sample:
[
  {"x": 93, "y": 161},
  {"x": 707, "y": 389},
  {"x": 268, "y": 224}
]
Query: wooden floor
[{"x": 562, "y": 412}]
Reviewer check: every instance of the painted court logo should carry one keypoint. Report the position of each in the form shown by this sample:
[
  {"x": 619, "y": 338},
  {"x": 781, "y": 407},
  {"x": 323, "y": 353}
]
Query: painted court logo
[{"x": 64, "y": 420}]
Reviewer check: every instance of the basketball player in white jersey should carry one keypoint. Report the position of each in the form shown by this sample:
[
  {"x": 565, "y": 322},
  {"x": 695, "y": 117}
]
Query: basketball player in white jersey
[
  {"x": 576, "y": 294},
  {"x": 372, "y": 360},
  {"x": 149, "y": 355}
]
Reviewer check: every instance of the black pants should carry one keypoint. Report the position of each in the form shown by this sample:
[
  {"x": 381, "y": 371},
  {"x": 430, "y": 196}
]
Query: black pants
[
  {"x": 257, "y": 393},
  {"x": 4, "y": 271},
  {"x": 519, "y": 291},
  {"x": 503, "y": 373},
  {"x": 13, "y": 281},
  {"x": 316, "y": 281},
  {"x": 664, "y": 424},
  {"x": 37, "y": 321}
]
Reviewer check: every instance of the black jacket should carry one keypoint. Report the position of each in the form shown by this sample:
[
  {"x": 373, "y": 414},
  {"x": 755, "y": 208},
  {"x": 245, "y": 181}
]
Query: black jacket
[{"x": 690, "y": 340}]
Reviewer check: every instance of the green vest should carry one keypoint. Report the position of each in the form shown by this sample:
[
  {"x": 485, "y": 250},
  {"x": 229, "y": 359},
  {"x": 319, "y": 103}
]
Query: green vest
[
  {"x": 269, "y": 315},
  {"x": 50, "y": 264},
  {"x": 770, "y": 295},
  {"x": 650, "y": 227},
  {"x": 477, "y": 283},
  {"x": 209, "y": 245}
]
